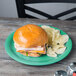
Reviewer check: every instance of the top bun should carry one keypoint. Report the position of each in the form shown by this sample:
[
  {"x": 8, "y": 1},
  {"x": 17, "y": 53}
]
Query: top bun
[{"x": 30, "y": 35}]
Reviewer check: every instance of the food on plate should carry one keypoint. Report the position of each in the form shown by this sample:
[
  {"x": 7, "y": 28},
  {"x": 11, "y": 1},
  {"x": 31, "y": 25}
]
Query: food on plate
[
  {"x": 56, "y": 41},
  {"x": 51, "y": 53},
  {"x": 30, "y": 40}
]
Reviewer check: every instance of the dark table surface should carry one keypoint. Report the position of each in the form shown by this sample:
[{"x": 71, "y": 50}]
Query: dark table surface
[{"x": 9, "y": 67}]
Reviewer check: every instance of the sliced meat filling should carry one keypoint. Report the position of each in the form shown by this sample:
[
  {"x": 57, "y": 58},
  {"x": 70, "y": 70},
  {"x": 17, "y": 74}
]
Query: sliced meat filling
[{"x": 31, "y": 51}]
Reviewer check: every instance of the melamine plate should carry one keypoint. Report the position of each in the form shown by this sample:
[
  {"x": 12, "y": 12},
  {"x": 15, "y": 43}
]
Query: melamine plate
[{"x": 36, "y": 61}]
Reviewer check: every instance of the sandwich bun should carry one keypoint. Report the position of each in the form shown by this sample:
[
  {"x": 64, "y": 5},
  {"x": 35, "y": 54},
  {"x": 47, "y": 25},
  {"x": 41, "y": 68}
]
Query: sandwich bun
[{"x": 30, "y": 35}]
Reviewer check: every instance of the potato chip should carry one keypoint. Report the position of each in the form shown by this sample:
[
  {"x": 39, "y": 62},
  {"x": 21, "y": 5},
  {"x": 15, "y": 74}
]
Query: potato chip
[
  {"x": 56, "y": 40},
  {"x": 49, "y": 33},
  {"x": 53, "y": 36},
  {"x": 61, "y": 40},
  {"x": 57, "y": 34},
  {"x": 51, "y": 53},
  {"x": 64, "y": 38},
  {"x": 56, "y": 47},
  {"x": 60, "y": 50}
]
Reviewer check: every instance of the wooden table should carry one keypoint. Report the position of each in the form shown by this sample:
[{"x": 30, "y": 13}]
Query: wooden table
[{"x": 9, "y": 67}]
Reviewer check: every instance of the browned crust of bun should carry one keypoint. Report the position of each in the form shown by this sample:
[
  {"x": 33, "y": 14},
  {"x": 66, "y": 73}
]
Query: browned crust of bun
[{"x": 30, "y": 35}]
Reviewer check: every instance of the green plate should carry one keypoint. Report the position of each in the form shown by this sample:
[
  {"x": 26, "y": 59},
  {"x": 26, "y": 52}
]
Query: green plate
[{"x": 36, "y": 61}]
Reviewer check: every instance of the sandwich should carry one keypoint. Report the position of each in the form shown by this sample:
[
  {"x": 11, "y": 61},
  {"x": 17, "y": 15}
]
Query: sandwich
[{"x": 30, "y": 40}]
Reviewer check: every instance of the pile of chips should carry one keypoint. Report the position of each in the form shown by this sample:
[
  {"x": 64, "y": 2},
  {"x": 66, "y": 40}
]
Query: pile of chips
[{"x": 56, "y": 41}]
